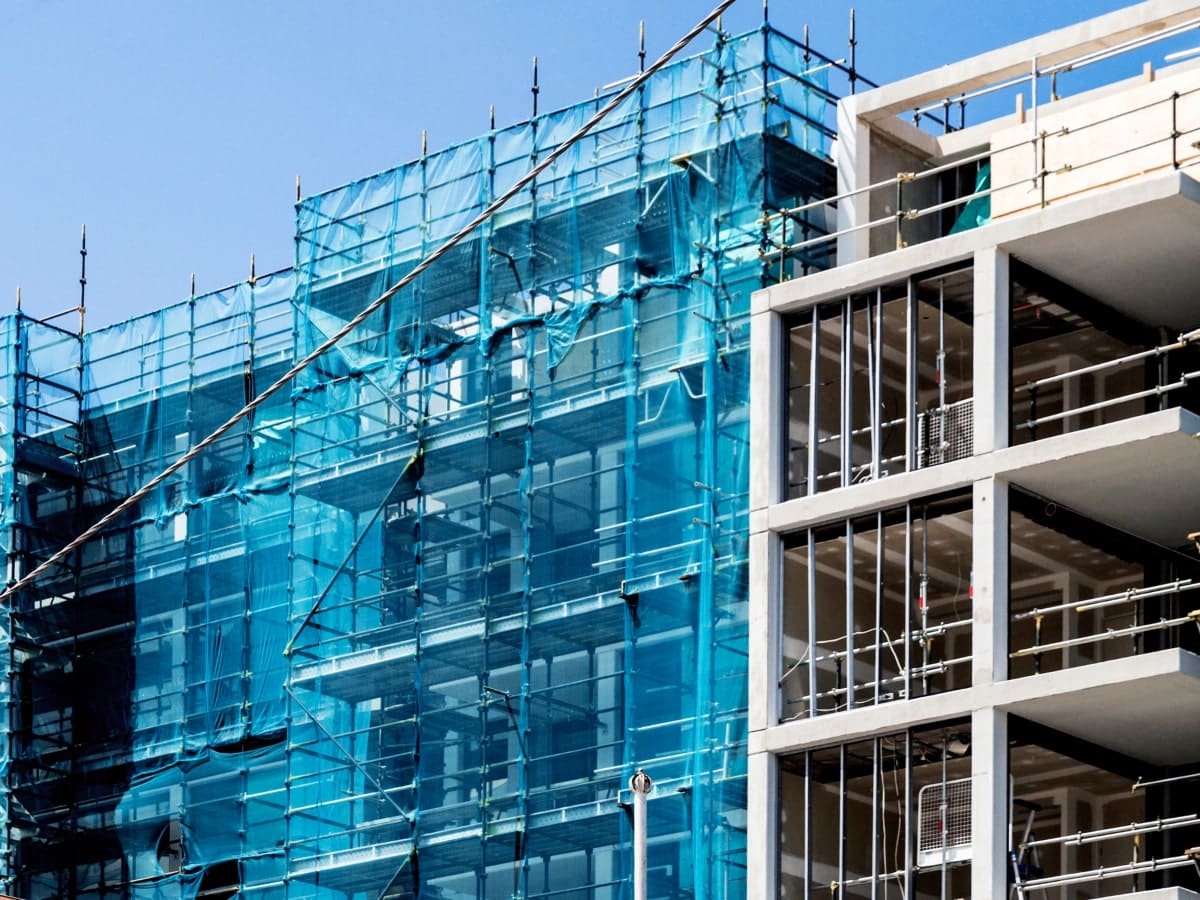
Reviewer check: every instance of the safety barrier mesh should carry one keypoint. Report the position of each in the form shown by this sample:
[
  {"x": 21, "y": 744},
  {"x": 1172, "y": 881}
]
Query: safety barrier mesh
[{"x": 410, "y": 628}]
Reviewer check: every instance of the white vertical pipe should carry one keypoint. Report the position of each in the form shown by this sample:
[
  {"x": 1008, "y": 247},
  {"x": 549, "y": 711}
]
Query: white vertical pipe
[{"x": 641, "y": 785}]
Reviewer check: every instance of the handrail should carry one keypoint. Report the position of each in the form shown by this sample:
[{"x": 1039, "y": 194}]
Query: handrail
[
  {"x": 1117, "y": 49},
  {"x": 1113, "y": 599},
  {"x": 1183, "y": 341},
  {"x": 1104, "y": 834},
  {"x": 971, "y": 95},
  {"x": 1038, "y": 383},
  {"x": 899, "y": 177},
  {"x": 1107, "y": 635},
  {"x": 1038, "y": 140},
  {"x": 1157, "y": 391},
  {"x": 1100, "y": 874},
  {"x": 1069, "y": 65}
]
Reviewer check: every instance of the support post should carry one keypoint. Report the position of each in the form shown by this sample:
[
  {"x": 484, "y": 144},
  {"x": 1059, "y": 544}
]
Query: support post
[
  {"x": 766, "y": 628},
  {"x": 990, "y": 322},
  {"x": 989, "y": 578},
  {"x": 990, "y": 803},
  {"x": 853, "y": 171},
  {"x": 768, "y": 412},
  {"x": 762, "y": 825},
  {"x": 641, "y": 785}
]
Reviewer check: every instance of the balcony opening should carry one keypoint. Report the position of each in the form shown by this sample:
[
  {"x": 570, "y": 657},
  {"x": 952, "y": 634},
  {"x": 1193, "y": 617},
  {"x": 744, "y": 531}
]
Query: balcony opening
[
  {"x": 1082, "y": 592},
  {"x": 1088, "y": 822},
  {"x": 1078, "y": 363}
]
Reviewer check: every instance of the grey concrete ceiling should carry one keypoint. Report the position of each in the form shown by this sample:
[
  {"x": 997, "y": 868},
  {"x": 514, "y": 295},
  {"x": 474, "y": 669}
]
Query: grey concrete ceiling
[
  {"x": 1143, "y": 260},
  {"x": 1149, "y": 485},
  {"x": 1156, "y": 718}
]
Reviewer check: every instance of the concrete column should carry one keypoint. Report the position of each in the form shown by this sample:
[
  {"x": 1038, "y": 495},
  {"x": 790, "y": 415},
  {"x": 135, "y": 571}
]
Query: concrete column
[
  {"x": 853, "y": 171},
  {"x": 989, "y": 727},
  {"x": 768, "y": 416},
  {"x": 989, "y": 567},
  {"x": 989, "y": 803},
  {"x": 766, "y": 625},
  {"x": 991, "y": 366},
  {"x": 762, "y": 826}
]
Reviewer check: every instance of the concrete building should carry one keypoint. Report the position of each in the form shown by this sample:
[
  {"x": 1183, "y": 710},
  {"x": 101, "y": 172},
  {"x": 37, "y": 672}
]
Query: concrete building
[{"x": 973, "y": 666}]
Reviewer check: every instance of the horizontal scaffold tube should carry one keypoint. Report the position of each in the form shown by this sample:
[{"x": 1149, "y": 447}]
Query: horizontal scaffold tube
[
  {"x": 1133, "y": 868},
  {"x": 1156, "y": 391},
  {"x": 1110, "y": 634},
  {"x": 1117, "y": 597},
  {"x": 1104, "y": 834}
]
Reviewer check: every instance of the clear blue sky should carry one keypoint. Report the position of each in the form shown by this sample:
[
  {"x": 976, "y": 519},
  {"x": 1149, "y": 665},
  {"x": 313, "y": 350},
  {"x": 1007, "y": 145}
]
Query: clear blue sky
[{"x": 175, "y": 128}]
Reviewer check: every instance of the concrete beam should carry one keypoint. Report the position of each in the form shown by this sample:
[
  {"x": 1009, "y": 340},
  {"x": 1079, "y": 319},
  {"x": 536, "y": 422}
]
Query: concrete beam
[
  {"x": 1170, "y": 676},
  {"x": 1016, "y": 59}
]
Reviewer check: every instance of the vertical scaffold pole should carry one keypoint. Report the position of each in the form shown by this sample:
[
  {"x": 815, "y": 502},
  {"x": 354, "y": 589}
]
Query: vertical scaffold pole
[
  {"x": 534, "y": 89},
  {"x": 1033, "y": 102},
  {"x": 82, "y": 276},
  {"x": 641, "y": 785},
  {"x": 853, "y": 55}
]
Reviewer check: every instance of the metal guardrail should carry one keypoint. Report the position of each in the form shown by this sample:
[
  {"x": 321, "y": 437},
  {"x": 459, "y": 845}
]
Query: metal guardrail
[
  {"x": 1131, "y": 595},
  {"x": 777, "y": 249},
  {"x": 1105, "y": 834},
  {"x": 1032, "y": 388},
  {"x": 1133, "y": 868}
]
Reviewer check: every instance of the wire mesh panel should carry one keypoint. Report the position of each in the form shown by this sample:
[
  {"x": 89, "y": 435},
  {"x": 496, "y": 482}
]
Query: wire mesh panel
[
  {"x": 947, "y": 434},
  {"x": 944, "y": 823}
]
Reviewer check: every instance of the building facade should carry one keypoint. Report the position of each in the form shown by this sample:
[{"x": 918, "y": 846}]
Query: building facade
[{"x": 973, "y": 631}]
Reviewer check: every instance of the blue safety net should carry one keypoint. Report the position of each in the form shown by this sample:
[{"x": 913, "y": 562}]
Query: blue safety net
[
  {"x": 977, "y": 211},
  {"x": 408, "y": 629}
]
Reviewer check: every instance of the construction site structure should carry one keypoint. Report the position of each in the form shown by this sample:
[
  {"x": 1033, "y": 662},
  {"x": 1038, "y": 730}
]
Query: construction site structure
[{"x": 974, "y": 510}]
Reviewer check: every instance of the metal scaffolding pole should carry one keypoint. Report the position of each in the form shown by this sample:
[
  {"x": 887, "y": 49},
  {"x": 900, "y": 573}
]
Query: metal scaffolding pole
[{"x": 641, "y": 785}]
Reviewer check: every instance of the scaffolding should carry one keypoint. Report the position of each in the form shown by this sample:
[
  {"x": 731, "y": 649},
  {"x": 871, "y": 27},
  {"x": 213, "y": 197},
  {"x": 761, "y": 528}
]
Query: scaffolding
[{"x": 410, "y": 627}]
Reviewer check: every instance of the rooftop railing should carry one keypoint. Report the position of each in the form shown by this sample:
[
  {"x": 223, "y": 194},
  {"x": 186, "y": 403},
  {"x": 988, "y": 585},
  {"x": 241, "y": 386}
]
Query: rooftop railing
[{"x": 1059, "y": 157}]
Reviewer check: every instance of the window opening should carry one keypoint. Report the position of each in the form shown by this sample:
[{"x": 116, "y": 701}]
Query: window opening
[
  {"x": 877, "y": 608},
  {"x": 880, "y": 382},
  {"x": 864, "y": 819}
]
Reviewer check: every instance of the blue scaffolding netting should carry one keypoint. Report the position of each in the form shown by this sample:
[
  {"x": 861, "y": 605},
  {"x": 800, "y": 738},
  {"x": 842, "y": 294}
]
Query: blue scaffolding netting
[{"x": 408, "y": 629}]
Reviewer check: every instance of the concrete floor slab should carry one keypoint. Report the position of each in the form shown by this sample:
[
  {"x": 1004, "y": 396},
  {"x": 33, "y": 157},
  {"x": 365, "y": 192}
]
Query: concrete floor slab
[{"x": 1147, "y": 707}]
